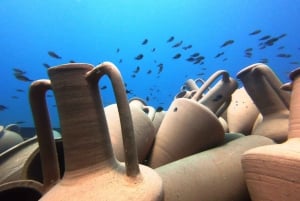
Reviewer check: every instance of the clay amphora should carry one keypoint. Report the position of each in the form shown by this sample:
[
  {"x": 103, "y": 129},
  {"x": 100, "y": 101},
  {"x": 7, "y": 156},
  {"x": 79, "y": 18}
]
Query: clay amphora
[
  {"x": 9, "y": 137},
  {"x": 272, "y": 172},
  {"x": 91, "y": 170},
  {"x": 191, "y": 125},
  {"x": 142, "y": 116},
  {"x": 212, "y": 175},
  {"x": 263, "y": 87},
  {"x": 241, "y": 113}
]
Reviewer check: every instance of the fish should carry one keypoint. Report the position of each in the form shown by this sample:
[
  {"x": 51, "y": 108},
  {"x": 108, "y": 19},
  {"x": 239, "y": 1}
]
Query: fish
[
  {"x": 120, "y": 60},
  {"x": 72, "y": 61},
  {"x": 191, "y": 59},
  {"x": 54, "y": 55},
  {"x": 129, "y": 91},
  {"x": 18, "y": 71},
  {"x": 46, "y": 65},
  {"x": 137, "y": 69},
  {"x": 3, "y": 107},
  {"x": 153, "y": 49},
  {"x": 280, "y": 48},
  {"x": 177, "y": 44},
  {"x": 139, "y": 57},
  {"x": 19, "y": 90},
  {"x": 187, "y": 47},
  {"x": 145, "y": 41},
  {"x": 23, "y": 78},
  {"x": 264, "y": 60},
  {"x": 104, "y": 87},
  {"x": 118, "y": 50},
  {"x": 265, "y": 37},
  {"x": 248, "y": 49},
  {"x": 14, "y": 97},
  {"x": 219, "y": 54},
  {"x": 295, "y": 62},
  {"x": 177, "y": 56},
  {"x": 170, "y": 39},
  {"x": 226, "y": 43},
  {"x": 160, "y": 68},
  {"x": 271, "y": 41},
  {"x": 255, "y": 32},
  {"x": 248, "y": 54},
  {"x": 195, "y": 54},
  {"x": 282, "y": 55},
  {"x": 149, "y": 71}
]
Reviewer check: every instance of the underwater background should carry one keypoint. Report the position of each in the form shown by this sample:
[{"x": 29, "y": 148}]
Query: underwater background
[{"x": 157, "y": 45}]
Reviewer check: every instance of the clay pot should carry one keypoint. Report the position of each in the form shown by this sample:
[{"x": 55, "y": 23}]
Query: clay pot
[
  {"x": 142, "y": 117},
  {"x": 9, "y": 137},
  {"x": 190, "y": 125},
  {"x": 263, "y": 87},
  {"x": 91, "y": 170},
  {"x": 272, "y": 172},
  {"x": 214, "y": 174},
  {"x": 241, "y": 113}
]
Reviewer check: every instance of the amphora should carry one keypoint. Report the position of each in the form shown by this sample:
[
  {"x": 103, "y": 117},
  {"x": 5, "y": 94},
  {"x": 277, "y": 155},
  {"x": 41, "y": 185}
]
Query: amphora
[
  {"x": 91, "y": 169},
  {"x": 263, "y": 87},
  {"x": 191, "y": 125}
]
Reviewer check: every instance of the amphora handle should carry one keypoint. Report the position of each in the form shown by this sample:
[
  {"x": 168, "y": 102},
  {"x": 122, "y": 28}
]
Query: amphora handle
[
  {"x": 217, "y": 98},
  {"x": 49, "y": 159},
  {"x": 130, "y": 150}
]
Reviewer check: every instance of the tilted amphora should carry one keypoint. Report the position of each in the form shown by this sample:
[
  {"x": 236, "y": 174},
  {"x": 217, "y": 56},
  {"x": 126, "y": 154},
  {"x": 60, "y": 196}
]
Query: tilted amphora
[
  {"x": 191, "y": 125},
  {"x": 263, "y": 87}
]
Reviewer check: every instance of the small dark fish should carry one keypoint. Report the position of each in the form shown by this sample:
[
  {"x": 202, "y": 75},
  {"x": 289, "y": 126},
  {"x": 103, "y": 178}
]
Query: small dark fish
[
  {"x": 129, "y": 91},
  {"x": 139, "y": 57},
  {"x": 19, "y": 122},
  {"x": 271, "y": 41},
  {"x": 200, "y": 58},
  {"x": 145, "y": 41},
  {"x": 219, "y": 54},
  {"x": 280, "y": 48},
  {"x": 72, "y": 61},
  {"x": 187, "y": 47},
  {"x": 147, "y": 98},
  {"x": 149, "y": 71},
  {"x": 18, "y": 71},
  {"x": 153, "y": 49},
  {"x": 3, "y": 107},
  {"x": 14, "y": 97},
  {"x": 54, "y": 55},
  {"x": 159, "y": 109},
  {"x": 225, "y": 59},
  {"x": 23, "y": 78},
  {"x": 160, "y": 68},
  {"x": 19, "y": 90},
  {"x": 264, "y": 60},
  {"x": 195, "y": 54},
  {"x": 104, "y": 87},
  {"x": 248, "y": 54},
  {"x": 46, "y": 65},
  {"x": 118, "y": 50},
  {"x": 265, "y": 37},
  {"x": 248, "y": 49},
  {"x": 255, "y": 32},
  {"x": 133, "y": 75},
  {"x": 137, "y": 69},
  {"x": 228, "y": 42},
  {"x": 295, "y": 62},
  {"x": 177, "y": 44},
  {"x": 177, "y": 56},
  {"x": 282, "y": 55},
  {"x": 120, "y": 60},
  {"x": 191, "y": 59},
  {"x": 282, "y": 35},
  {"x": 170, "y": 39}
]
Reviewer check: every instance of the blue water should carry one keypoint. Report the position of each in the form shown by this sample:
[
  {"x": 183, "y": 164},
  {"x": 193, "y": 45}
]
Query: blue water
[{"x": 91, "y": 31}]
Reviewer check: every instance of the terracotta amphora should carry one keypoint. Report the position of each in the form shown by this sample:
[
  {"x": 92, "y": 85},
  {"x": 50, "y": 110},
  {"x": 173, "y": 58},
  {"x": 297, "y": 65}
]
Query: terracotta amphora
[
  {"x": 212, "y": 175},
  {"x": 263, "y": 86},
  {"x": 142, "y": 117},
  {"x": 241, "y": 112},
  {"x": 272, "y": 172},
  {"x": 191, "y": 125},
  {"x": 91, "y": 169}
]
